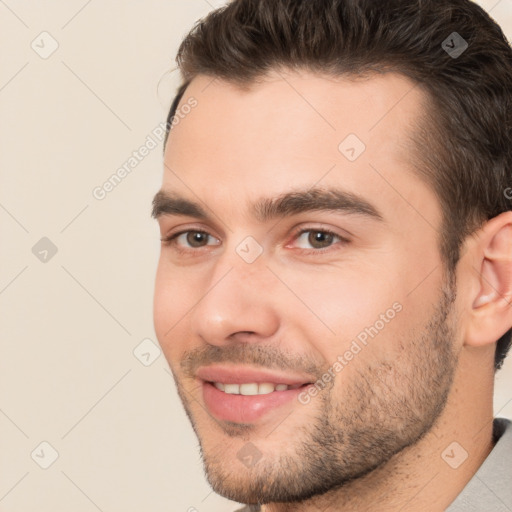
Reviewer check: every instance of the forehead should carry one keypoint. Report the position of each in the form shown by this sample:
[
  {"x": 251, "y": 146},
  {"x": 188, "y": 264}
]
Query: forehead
[{"x": 297, "y": 129}]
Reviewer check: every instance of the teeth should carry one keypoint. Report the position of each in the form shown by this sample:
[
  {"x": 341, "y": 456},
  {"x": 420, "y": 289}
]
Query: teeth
[
  {"x": 249, "y": 389},
  {"x": 252, "y": 388},
  {"x": 219, "y": 385},
  {"x": 265, "y": 388},
  {"x": 232, "y": 389}
]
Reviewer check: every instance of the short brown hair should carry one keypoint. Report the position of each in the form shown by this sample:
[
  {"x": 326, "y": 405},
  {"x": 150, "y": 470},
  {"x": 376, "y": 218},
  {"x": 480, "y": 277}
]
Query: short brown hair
[{"x": 462, "y": 147}]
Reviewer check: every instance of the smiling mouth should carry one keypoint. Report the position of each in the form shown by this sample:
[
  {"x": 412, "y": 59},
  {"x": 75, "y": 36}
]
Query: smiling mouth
[{"x": 249, "y": 402}]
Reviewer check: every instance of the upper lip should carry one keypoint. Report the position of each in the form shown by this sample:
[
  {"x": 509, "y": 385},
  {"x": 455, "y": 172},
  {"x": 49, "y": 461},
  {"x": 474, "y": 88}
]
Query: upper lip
[{"x": 230, "y": 374}]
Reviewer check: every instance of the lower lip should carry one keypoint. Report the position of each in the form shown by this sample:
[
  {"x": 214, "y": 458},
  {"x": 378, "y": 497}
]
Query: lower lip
[{"x": 242, "y": 408}]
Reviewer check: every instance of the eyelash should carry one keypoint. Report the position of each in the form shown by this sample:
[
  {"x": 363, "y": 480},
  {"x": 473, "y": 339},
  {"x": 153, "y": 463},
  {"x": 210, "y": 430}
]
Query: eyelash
[{"x": 170, "y": 240}]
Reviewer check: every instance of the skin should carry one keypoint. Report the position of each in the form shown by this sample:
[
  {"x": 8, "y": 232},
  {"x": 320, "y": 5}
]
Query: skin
[{"x": 373, "y": 439}]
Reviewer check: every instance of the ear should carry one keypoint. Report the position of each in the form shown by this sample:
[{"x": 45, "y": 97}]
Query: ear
[{"x": 491, "y": 311}]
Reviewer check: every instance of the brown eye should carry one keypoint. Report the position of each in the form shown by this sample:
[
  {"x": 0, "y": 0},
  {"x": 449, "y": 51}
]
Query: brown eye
[
  {"x": 197, "y": 238},
  {"x": 191, "y": 240},
  {"x": 320, "y": 239}
]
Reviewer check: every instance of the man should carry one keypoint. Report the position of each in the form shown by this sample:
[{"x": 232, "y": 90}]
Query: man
[{"x": 334, "y": 289}]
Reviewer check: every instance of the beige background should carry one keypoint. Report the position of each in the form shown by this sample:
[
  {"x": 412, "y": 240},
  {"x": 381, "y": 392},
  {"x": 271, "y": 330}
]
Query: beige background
[{"x": 68, "y": 374}]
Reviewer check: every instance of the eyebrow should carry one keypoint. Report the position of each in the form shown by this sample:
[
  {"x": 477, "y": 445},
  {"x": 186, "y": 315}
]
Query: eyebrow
[
  {"x": 284, "y": 205},
  {"x": 173, "y": 204}
]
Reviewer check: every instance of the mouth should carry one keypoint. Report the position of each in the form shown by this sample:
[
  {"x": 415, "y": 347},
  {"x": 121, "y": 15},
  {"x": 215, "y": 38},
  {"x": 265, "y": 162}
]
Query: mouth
[{"x": 246, "y": 395}]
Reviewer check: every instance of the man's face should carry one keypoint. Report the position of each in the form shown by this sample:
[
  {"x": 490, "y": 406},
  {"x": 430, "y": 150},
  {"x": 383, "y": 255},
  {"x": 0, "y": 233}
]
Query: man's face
[{"x": 297, "y": 256}]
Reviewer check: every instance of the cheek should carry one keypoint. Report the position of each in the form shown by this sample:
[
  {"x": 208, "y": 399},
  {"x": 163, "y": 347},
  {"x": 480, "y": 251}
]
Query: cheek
[
  {"x": 337, "y": 307},
  {"x": 342, "y": 301}
]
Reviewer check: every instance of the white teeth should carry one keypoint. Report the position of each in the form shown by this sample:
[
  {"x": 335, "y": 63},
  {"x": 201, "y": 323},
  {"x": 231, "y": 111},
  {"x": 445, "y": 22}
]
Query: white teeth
[
  {"x": 232, "y": 389},
  {"x": 249, "y": 389},
  {"x": 265, "y": 388},
  {"x": 252, "y": 388}
]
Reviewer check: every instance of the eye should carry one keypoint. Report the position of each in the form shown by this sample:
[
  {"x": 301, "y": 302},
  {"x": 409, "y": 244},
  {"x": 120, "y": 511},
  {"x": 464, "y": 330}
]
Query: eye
[
  {"x": 317, "y": 239},
  {"x": 191, "y": 239}
]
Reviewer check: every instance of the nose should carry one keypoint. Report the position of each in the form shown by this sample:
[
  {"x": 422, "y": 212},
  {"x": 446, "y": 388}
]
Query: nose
[{"x": 237, "y": 305}]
